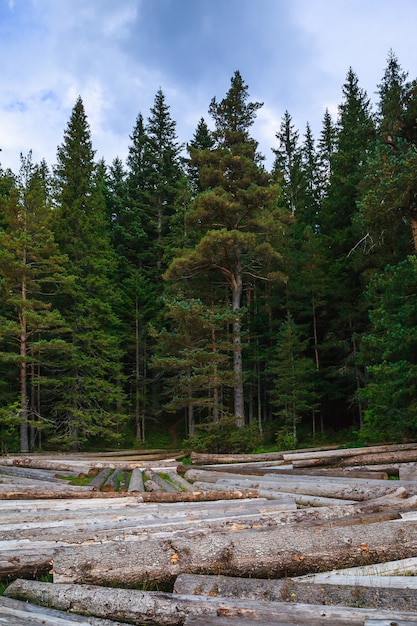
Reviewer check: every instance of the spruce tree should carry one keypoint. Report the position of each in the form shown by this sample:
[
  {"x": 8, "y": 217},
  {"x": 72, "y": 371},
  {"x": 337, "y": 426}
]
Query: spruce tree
[
  {"x": 31, "y": 270},
  {"x": 89, "y": 398},
  {"x": 344, "y": 316},
  {"x": 389, "y": 191}
]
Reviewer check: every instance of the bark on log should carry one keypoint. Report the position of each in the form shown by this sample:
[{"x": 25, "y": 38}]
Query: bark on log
[
  {"x": 99, "y": 480},
  {"x": 141, "y": 607},
  {"x": 399, "y": 568},
  {"x": 211, "y": 459},
  {"x": 160, "y": 482},
  {"x": 298, "y": 455},
  {"x": 287, "y": 498},
  {"x": 371, "y": 593},
  {"x": 16, "y": 492},
  {"x": 280, "y": 551},
  {"x": 361, "y": 459},
  {"x": 183, "y": 484},
  {"x": 112, "y": 480},
  {"x": 287, "y": 501},
  {"x": 136, "y": 480},
  {"x": 354, "y": 489},
  {"x": 27, "y": 472},
  {"x": 15, "y": 612}
]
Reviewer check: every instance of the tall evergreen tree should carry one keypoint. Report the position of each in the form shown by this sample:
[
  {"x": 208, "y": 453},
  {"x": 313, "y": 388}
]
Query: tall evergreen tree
[
  {"x": 89, "y": 398},
  {"x": 288, "y": 166},
  {"x": 294, "y": 394},
  {"x": 233, "y": 217},
  {"x": 31, "y": 270},
  {"x": 389, "y": 189},
  {"x": 390, "y": 352},
  {"x": 344, "y": 315}
]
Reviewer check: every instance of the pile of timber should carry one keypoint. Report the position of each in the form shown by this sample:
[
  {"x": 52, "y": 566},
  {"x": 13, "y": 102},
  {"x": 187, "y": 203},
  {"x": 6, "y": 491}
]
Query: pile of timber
[{"x": 253, "y": 540}]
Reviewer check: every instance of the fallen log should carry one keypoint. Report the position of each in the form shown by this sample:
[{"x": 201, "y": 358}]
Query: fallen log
[
  {"x": 15, "y": 613},
  {"x": 331, "y": 487},
  {"x": 276, "y": 552},
  {"x": 112, "y": 481},
  {"x": 369, "y": 592},
  {"x": 141, "y": 607},
  {"x": 163, "y": 485},
  {"x": 338, "y": 453},
  {"x": 136, "y": 480},
  {"x": 27, "y": 472},
  {"x": 213, "y": 459},
  {"x": 286, "y": 500},
  {"x": 183, "y": 484},
  {"x": 399, "y": 568},
  {"x": 28, "y": 492},
  {"x": 98, "y": 481},
  {"x": 360, "y": 459}
]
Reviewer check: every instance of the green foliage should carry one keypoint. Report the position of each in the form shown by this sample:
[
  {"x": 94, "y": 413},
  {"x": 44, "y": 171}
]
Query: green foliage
[
  {"x": 294, "y": 392},
  {"x": 224, "y": 437},
  {"x": 9, "y": 420},
  {"x": 390, "y": 350}
]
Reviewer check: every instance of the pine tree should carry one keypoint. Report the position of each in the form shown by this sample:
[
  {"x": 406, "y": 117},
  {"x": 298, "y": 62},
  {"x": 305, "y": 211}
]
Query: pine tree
[
  {"x": 233, "y": 217},
  {"x": 89, "y": 398}
]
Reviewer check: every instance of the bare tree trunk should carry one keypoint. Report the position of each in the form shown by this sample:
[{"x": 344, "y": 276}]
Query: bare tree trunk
[
  {"x": 24, "y": 400},
  {"x": 239, "y": 407}
]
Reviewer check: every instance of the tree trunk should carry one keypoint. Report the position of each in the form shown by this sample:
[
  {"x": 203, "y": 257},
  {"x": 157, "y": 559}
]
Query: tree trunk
[
  {"x": 358, "y": 591},
  {"x": 136, "y": 480},
  {"x": 239, "y": 407},
  {"x": 271, "y": 553},
  {"x": 16, "y": 613},
  {"x": 142, "y": 607}
]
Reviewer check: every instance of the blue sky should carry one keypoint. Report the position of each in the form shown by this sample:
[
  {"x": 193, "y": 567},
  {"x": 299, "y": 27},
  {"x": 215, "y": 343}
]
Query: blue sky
[{"x": 293, "y": 54}]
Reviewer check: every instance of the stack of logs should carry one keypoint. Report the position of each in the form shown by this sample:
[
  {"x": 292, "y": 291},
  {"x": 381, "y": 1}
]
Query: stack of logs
[{"x": 309, "y": 537}]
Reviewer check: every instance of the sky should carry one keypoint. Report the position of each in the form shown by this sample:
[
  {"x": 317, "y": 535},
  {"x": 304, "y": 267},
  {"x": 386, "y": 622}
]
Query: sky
[{"x": 294, "y": 56}]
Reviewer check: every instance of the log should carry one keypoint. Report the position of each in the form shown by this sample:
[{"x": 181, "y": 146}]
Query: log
[
  {"x": 399, "y": 568},
  {"x": 112, "y": 480},
  {"x": 99, "y": 480},
  {"x": 136, "y": 480},
  {"x": 275, "y": 552},
  {"x": 141, "y": 607},
  {"x": 370, "y": 593},
  {"x": 361, "y": 459},
  {"x": 354, "y": 489},
  {"x": 27, "y": 472},
  {"x": 298, "y": 455},
  {"x": 212, "y": 459},
  {"x": 28, "y": 492},
  {"x": 17, "y": 613},
  {"x": 287, "y": 498},
  {"x": 160, "y": 482},
  {"x": 183, "y": 484},
  {"x": 408, "y": 471}
]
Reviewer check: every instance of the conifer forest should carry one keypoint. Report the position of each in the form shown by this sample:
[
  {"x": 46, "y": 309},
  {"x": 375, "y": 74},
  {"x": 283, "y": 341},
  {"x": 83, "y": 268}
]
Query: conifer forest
[{"x": 191, "y": 292}]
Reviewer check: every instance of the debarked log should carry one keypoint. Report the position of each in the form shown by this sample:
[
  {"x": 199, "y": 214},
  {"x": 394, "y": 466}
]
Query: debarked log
[
  {"x": 373, "y": 592},
  {"x": 275, "y": 552},
  {"x": 141, "y": 607}
]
